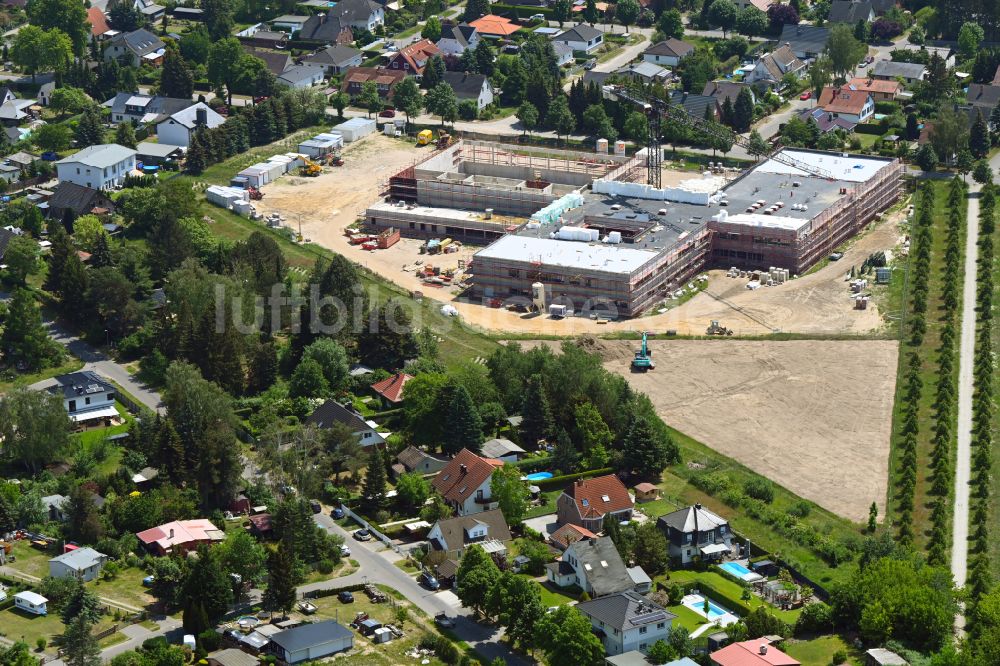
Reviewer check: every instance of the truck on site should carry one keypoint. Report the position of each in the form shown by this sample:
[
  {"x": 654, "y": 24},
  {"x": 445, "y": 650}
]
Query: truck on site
[{"x": 643, "y": 360}]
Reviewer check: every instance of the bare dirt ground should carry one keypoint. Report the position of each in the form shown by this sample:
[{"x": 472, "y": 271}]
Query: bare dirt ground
[
  {"x": 815, "y": 304},
  {"x": 812, "y": 415}
]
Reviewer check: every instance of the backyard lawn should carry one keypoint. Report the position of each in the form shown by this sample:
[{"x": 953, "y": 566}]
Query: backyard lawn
[
  {"x": 730, "y": 591},
  {"x": 126, "y": 588},
  {"x": 554, "y": 596},
  {"x": 18, "y": 625},
  {"x": 817, "y": 652},
  {"x": 30, "y": 560},
  {"x": 686, "y": 617}
]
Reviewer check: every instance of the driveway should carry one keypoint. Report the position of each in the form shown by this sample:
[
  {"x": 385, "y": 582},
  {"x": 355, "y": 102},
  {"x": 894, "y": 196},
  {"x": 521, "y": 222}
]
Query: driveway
[{"x": 543, "y": 524}]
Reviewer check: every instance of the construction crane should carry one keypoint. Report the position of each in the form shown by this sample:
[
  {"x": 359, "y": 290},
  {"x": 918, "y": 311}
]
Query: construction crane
[
  {"x": 656, "y": 110},
  {"x": 644, "y": 357}
]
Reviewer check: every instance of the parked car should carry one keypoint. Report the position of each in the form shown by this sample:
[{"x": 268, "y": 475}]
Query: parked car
[
  {"x": 362, "y": 535},
  {"x": 345, "y": 550},
  {"x": 316, "y": 506},
  {"x": 429, "y": 581},
  {"x": 345, "y": 597},
  {"x": 591, "y": 64},
  {"x": 337, "y": 512},
  {"x": 537, "y": 17},
  {"x": 387, "y": 113},
  {"x": 444, "y": 621},
  {"x": 50, "y": 156},
  {"x": 806, "y": 95},
  {"x": 836, "y": 256}
]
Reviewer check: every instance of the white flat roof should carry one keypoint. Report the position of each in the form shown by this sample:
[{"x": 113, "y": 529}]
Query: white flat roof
[
  {"x": 769, "y": 221},
  {"x": 854, "y": 169},
  {"x": 102, "y": 413},
  {"x": 568, "y": 254}
]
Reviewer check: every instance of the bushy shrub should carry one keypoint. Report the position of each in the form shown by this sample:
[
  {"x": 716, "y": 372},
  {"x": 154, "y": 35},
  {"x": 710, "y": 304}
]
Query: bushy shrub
[
  {"x": 814, "y": 619},
  {"x": 324, "y": 566},
  {"x": 759, "y": 488}
]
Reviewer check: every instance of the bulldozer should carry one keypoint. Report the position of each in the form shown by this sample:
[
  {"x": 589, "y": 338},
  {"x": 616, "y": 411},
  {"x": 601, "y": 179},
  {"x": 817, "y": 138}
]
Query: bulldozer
[
  {"x": 715, "y": 329},
  {"x": 310, "y": 169},
  {"x": 444, "y": 140}
]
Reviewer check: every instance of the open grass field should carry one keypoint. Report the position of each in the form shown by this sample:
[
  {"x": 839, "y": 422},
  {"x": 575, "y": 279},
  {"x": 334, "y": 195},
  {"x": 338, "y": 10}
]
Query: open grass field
[{"x": 17, "y": 625}]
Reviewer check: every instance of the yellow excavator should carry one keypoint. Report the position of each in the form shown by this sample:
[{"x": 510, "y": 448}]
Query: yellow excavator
[{"x": 310, "y": 169}]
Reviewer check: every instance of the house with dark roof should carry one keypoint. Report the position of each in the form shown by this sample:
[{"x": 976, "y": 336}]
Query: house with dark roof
[
  {"x": 331, "y": 412},
  {"x": 390, "y": 389},
  {"x": 476, "y": 87},
  {"x": 502, "y": 449},
  {"x": 698, "y": 106},
  {"x": 76, "y": 198},
  {"x": 276, "y": 62},
  {"x": 587, "y": 501},
  {"x": 594, "y": 565},
  {"x": 826, "y": 122},
  {"x": 983, "y": 96},
  {"x": 261, "y": 525},
  {"x": 302, "y": 76},
  {"x": 140, "y": 109},
  {"x": 464, "y": 483},
  {"x": 909, "y": 72},
  {"x": 846, "y": 102},
  {"x": 86, "y": 396},
  {"x": 456, "y": 38},
  {"x": 695, "y": 531},
  {"x": 346, "y": 14},
  {"x": 627, "y": 621},
  {"x": 487, "y": 529},
  {"x": 326, "y": 28},
  {"x": 806, "y": 41},
  {"x": 135, "y": 48},
  {"x": 581, "y": 37},
  {"x": 770, "y": 69},
  {"x": 414, "y": 460},
  {"x": 150, "y": 11},
  {"x": 669, "y": 52},
  {"x": 310, "y": 642},
  {"x": 335, "y": 59},
  {"x": 413, "y": 58},
  {"x": 851, "y": 11},
  {"x": 385, "y": 80},
  {"x": 266, "y": 39},
  {"x": 755, "y": 652},
  {"x": 723, "y": 90}
]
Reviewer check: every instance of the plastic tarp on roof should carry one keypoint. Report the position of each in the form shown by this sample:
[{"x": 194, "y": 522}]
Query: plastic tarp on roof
[
  {"x": 714, "y": 548},
  {"x": 554, "y": 210}
]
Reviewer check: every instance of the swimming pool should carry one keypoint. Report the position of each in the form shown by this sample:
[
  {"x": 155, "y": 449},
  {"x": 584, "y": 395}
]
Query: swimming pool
[
  {"x": 696, "y": 602},
  {"x": 538, "y": 476},
  {"x": 735, "y": 569}
]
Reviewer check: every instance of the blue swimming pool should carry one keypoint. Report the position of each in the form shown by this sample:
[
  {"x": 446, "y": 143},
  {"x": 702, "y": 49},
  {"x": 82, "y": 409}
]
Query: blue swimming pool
[
  {"x": 538, "y": 476},
  {"x": 735, "y": 569},
  {"x": 698, "y": 606}
]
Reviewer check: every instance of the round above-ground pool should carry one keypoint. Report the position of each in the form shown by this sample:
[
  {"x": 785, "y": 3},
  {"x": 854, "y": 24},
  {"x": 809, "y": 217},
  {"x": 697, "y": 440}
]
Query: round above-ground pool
[
  {"x": 247, "y": 622},
  {"x": 538, "y": 476}
]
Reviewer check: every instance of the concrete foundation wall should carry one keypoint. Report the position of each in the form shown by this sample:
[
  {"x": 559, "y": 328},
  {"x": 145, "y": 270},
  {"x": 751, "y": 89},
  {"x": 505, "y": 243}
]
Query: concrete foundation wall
[
  {"x": 443, "y": 194},
  {"x": 526, "y": 173}
]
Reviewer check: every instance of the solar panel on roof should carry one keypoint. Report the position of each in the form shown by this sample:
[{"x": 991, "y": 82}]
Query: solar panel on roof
[{"x": 646, "y": 618}]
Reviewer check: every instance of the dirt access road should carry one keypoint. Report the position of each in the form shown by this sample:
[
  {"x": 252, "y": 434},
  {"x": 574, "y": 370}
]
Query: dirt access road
[{"x": 814, "y": 416}]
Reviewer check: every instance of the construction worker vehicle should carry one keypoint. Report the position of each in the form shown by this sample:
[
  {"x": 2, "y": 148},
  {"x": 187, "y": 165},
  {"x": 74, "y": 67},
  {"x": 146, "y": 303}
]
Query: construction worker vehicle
[
  {"x": 310, "y": 169},
  {"x": 715, "y": 329},
  {"x": 643, "y": 360}
]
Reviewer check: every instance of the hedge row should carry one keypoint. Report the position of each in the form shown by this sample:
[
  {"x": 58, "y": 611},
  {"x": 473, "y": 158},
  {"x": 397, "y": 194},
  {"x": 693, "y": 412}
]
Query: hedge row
[
  {"x": 319, "y": 594},
  {"x": 565, "y": 479}
]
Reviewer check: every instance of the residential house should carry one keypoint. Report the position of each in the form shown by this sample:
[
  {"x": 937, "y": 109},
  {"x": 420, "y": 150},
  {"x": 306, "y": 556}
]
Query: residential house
[
  {"x": 883, "y": 657},
  {"x": 564, "y": 54},
  {"x": 144, "y": 477},
  {"x": 581, "y": 37},
  {"x": 79, "y": 199},
  {"x": 178, "y": 128},
  {"x": 289, "y": 22},
  {"x": 594, "y": 565},
  {"x": 697, "y": 106},
  {"x": 646, "y": 492},
  {"x": 276, "y": 62},
  {"x": 493, "y": 26},
  {"x": 756, "y": 652},
  {"x": 502, "y": 449},
  {"x": 9, "y": 173},
  {"x": 21, "y": 160},
  {"x": 140, "y": 109},
  {"x": 385, "y": 80},
  {"x": 413, "y": 58},
  {"x": 587, "y": 501},
  {"x": 100, "y": 167},
  {"x": 231, "y": 657},
  {"x": 31, "y": 602},
  {"x": 158, "y": 153},
  {"x": 984, "y": 97},
  {"x": 310, "y": 642},
  {"x": 335, "y": 59},
  {"x": 826, "y": 122},
  {"x": 769, "y": 70},
  {"x": 86, "y": 396},
  {"x": 180, "y": 536},
  {"x": 302, "y": 76},
  {"x": 476, "y": 87},
  {"x": 456, "y": 38},
  {"x": 270, "y": 39},
  {"x": 851, "y": 11},
  {"x": 13, "y": 112},
  {"x": 135, "y": 48},
  {"x": 414, "y": 460},
  {"x": 82, "y": 563},
  {"x": 99, "y": 27},
  {"x": 331, "y": 412},
  {"x": 261, "y": 525},
  {"x": 452, "y": 536},
  {"x": 627, "y": 621},
  {"x": 150, "y": 11},
  {"x": 346, "y": 14},
  {"x": 55, "y": 507},
  {"x": 806, "y": 41},
  {"x": 909, "y": 72},
  {"x": 188, "y": 13},
  {"x": 327, "y": 28},
  {"x": 845, "y": 102},
  {"x": 568, "y": 534},
  {"x": 881, "y": 91},
  {"x": 464, "y": 483},
  {"x": 762, "y": 5},
  {"x": 695, "y": 531},
  {"x": 723, "y": 90},
  {"x": 645, "y": 72},
  {"x": 390, "y": 389},
  {"x": 669, "y": 52}
]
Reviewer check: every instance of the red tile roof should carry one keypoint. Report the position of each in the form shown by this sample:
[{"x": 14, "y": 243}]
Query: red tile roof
[
  {"x": 842, "y": 100},
  {"x": 98, "y": 22},
  {"x": 570, "y": 533},
  {"x": 415, "y": 55},
  {"x": 461, "y": 477},
  {"x": 600, "y": 495},
  {"x": 748, "y": 653},
  {"x": 495, "y": 25},
  {"x": 391, "y": 388},
  {"x": 646, "y": 487},
  {"x": 866, "y": 84},
  {"x": 182, "y": 533}
]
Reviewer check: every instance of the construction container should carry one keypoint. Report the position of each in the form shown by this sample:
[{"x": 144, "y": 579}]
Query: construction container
[
  {"x": 387, "y": 238},
  {"x": 577, "y": 234},
  {"x": 602, "y": 146},
  {"x": 619, "y": 147},
  {"x": 558, "y": 310},
  {"x": 355, "y": 128},
  {"x": 243, "y": 208},
  {"x": 226, "y": 196}
]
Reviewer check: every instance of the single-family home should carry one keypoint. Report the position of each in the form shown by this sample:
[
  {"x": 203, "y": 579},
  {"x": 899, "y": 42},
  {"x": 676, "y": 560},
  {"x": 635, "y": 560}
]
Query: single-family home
[
  {"x": 826, "y": 122},
  {"x": 646, "y": 72},
  {"x": 770, "y": 69},
  {"x": 231, "y": 657},
  {"x": 452, "y": 536},
  {"x": 99, "y": 27},
  {"x": 390, "y": 389},
  {"x": 806, "y": 41},
  {"x": 86, "y": 396},
  {"x": 150, "y": 11},
  {"x": 569, "y": 533},
  {"x": 502, "y": 449},
  {"x": 456, "y": 38},
  {"x": 984, "y": 97},
  {"x": 762, "y": 5},
  {"x": 82, "y": 563},
  {"x": 414, "y": 460},
  {"x": 413, "y": 58},
  {"x": 627, "y": 621},
  {"x": 14, "y": 112},
  {"x": 495, "y": 27},
  {"x": 276, "y": 62},
  {"x": 909, "y": 72},
  {"x": 157, "y": 153},
  {"x": 360, "y": 14},
  {"x": 289, "y": 22},
  {"x": 135, "y": 48},
  {"x": 564, "y": 53},
  {"x": 723, "y": 90},
  {"x": 756, "y": 652},
  {"x": 79, "y": 199},
  {"x": 140, "y": 109},
  {"x": 845, "y": 102},
  {"x": 587, "y": 501},
  {"x": 646, "y": 492},
  {"x": 31, "y": 602},
  {"x": 100, "y": 167},
  {"x": 302, "y": 76},
  {"x": 476, "y": 87},
  {"x": 261, "y": 525},
  {"x": 327, "y": 28},
  {"x": 188, "y": 13},
  {"x": 881, "y": 91},
  {"x": 851, "y": 11},
  {"x": 335, "y": 59},
  {"x": 464, "y": 483},
  {"x": 180, "y": 536},
  {"x": 695, "y": 531},
  {"x": 144, "y": 477},
  {"x": 178, "y": 128},
  {"x": 883, "y": 657},
  {"x": 594, "y": 565},
  {"x": 55, "y": 507},
  {"x": 331, "y": 412},
  {"x": 266, "y": 39},
  {"x": 581, "y": 37},
  {"x": 696, "y": 106},
  {"x": 385, "y": 80},
  {"x": 310, "y": 642},
  {"x": 669, "y": 52}
]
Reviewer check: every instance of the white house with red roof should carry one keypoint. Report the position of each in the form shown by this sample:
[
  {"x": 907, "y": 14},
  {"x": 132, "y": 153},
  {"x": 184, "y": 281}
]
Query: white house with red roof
[
  {"x": 180, "y": 536},
  {"x": 464, "y": 483},
  {"x": 414, "y": 57},
  {"x": 587, "y": 501},
  {"x": 756, "y": 652}
]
